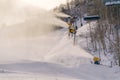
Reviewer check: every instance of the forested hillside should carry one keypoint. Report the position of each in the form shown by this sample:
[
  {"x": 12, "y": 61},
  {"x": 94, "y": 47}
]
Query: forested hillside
[{"x": 104, "y": 37}]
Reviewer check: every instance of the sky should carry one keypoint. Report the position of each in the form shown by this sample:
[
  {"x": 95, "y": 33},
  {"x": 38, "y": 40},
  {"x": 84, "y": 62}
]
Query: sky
[{"x": 45, "y": 4}]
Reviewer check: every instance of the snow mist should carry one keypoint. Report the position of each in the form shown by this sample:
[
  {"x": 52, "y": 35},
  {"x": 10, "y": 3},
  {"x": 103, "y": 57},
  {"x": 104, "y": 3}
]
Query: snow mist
[
  {"x": 18, "y": 24},
  {"x": 25, "y": 21}
]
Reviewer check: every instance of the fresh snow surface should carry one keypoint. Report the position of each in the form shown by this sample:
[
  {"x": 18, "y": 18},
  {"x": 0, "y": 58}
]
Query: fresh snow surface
[{"x": 51, "y": 57}]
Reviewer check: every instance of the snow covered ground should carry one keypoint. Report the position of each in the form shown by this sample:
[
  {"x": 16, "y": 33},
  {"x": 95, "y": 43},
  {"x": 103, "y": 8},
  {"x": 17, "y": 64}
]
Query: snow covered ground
[
  {"x": 51, "y": 57},
  {"x": 31, "y": 50}
]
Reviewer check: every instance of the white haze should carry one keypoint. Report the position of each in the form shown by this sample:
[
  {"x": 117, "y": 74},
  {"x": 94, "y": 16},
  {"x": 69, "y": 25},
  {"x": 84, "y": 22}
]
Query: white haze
[
  {"x": 25, "y": 21},
  {"x": 18, "y": 24},
  {"x": 44, "y": 4}
]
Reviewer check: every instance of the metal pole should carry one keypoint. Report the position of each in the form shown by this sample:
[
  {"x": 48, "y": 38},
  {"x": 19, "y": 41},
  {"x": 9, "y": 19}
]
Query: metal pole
[{"x": 81, "y": 16}]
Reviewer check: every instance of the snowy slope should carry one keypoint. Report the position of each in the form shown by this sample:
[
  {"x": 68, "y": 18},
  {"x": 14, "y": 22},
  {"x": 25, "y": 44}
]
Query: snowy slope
[
  {"x": 31, "y": 50},
  {"x": 46, "y": 71},
  {"x": 51, "y": 57},
  {"x": 68, "y": 54}
]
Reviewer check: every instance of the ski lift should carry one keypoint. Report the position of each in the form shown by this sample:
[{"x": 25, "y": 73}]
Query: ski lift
[
  {"x": 111, "y": 2},
  {"x": 91, "y": 18}
]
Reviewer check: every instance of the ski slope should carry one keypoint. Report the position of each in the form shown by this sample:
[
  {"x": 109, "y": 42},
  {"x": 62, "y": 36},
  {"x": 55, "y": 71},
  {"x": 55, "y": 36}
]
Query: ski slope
[{"x": 51, "y": 57}]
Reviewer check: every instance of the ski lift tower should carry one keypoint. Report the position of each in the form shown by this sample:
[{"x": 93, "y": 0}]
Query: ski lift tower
[
  {"x": 79, "y": 10},
  {"x": 112, "y": 4}
]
